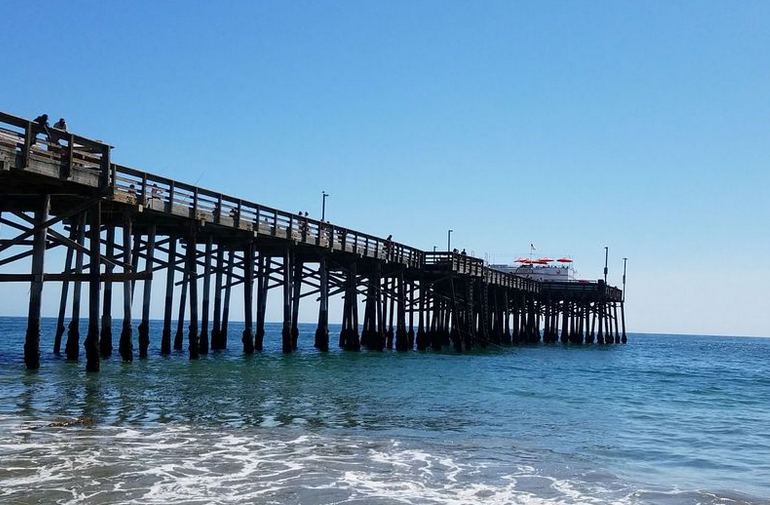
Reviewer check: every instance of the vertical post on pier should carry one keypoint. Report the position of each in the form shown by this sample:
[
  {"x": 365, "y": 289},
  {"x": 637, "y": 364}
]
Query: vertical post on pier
[
  {"x": 410, "y": 333},
  {"x": 72, "y": 347},
  {"x": 322, "y": 331},
  {"x": 92, "y": 337},
  {"x": 565, "y": 322},
  {"x": 381, "y": 309},
  {"x": 32, "y": 337},
  {"x": 179, "y": 335},
  {"x": 350, "y": 320},
  {"x": 248, "y": 298},
  {"x": 516, "y": 322},
  {"x": 600, "y": 322},
  {"x": 226, "y": 302},
  {"x": 392, "y": 293},
  {"x": 296, "y": 291},
  {"x": 216, "y": 329},
  {"x": 263, "y": 278},
  {"x": 507, "y": 318},
  {"x": 105, "y": 337},
  {"x": 60, "y": 329},
  {"x": 623, "y": 337},
  {"x": 369, "y": 331},
  {"x": 137, "y": 246},
  {"x": 286, "y": 340},
  {"x": 547, "y": 322},
  {"x": 144, "y": 326},
  {"x": 203, "y": 341},
  {"x": 125, "y": 346},
  {"x": 192, "y": 273},
  {"x": 421, "y": 301},
  {"x": 607, "y": 324},
  {"x": 401, "y": 335},
  {"x": 168, "y": 302}
]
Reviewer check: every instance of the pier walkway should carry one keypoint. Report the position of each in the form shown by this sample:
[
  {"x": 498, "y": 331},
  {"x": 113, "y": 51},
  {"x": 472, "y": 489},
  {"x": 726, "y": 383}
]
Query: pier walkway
[{"x": 61, "y": 190}]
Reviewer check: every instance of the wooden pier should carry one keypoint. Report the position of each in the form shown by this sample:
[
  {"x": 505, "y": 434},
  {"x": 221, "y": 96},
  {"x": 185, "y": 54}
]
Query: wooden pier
[{"x": 58, "y": 189}]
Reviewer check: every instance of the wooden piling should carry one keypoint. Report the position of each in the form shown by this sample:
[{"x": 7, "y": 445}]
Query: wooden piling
[
  {"x": 263, "y": 281},
  {"x": 72, "y": 346},
  {"x": 296, "y": 292},
  {"x": 92, "y": 336},
  {"x": 401, "y": 335},
  {"x": 168, "y": 307},
  {"x": 144, "y": 326},
  {"x": 248, "y": 298},
  {"x": 105, "y": 337},
  {"x": 193, "y": 346},
  {"x": 216, "y": 328},
  {"x": 322, "y": 330},
  {"x": 32, "y": 337},
  {"x": 286, "y": 339},
  {"x": 60, "y": 328},
  {"x": 125, "y": 346},
  {"x": 179, "y": 334},
  {"x": 623, "y": 337},
  {"x": 203, "y": 340},
  {"x": 226, "y": 308}
]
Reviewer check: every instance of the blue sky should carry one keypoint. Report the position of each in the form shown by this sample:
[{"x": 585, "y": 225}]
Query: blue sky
[{"x": 571, "y": 125}]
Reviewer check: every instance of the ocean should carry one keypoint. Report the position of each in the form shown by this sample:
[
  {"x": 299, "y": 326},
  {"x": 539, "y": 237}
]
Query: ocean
[{"x": 665, "y": 419}]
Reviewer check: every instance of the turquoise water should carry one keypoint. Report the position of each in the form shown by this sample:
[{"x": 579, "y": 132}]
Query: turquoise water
[{"x": 663, "y": 420}]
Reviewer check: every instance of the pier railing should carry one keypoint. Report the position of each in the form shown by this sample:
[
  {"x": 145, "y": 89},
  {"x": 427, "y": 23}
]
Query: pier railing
[
  {"x": 33, "y": 141},
  {"x": 165, "y": 195}
]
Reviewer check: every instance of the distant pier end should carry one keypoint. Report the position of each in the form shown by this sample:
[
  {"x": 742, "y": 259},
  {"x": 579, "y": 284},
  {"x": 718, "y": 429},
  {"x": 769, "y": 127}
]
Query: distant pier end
[{"x": 122, "y": 229}]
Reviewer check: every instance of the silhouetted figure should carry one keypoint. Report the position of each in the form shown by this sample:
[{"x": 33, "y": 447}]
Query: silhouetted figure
[{"x": 61, "y": 124}]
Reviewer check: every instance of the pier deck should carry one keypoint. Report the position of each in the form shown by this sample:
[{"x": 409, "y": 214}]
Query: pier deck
[{"x": 58, "y": 189}]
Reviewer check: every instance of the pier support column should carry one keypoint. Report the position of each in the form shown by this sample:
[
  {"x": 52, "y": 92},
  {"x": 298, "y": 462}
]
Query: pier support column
[
  {"x": 286, "y": 339},
  {"x": 105, "y": 337},
  {"x": 92, "y": 336},
  {"x": 226, "y": 302},
  {"x": 421, "y": 340},
  {"x": 263, "y": 279},
  {"x": 60, "y": 328},
  {"x": 216, "y": 334},
  {"x": 410, "y": 333},
  {"x": 516, "y": 335},
  {"x": 179, "y": 335},
  {"x": 203, "y": 341},
  {"x": 600, "y": 322},
  {"x": 401, "y": 335},
  {"x": 32, "y": 337},
  {"x": 144, "y": 326},
  {"x": 615, "y": 318},
  {"x": 565, "y": 322},
  {"x": 168, "y": 307},
  {"x": 623, "y": 337},
  {"x": 369, "y": 336},
  {"x": 350, "y": 317},
  {"x": 322, "y": 331},
  {"x": 125, "y": 346},
  {"x": 248, "y": 297},
  {"x": 296, "y": 291},
  {"x": 72, "y": 347},
  {"x": 389, "y": 336},
  {"x": 193, "y": 346}
]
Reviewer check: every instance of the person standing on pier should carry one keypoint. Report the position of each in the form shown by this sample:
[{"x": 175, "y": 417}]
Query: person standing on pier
[{"x": 61, "y": 124}]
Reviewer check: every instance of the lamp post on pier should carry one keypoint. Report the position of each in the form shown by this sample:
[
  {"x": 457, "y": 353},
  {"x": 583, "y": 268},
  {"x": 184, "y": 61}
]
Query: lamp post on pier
[
  {"x": 606, "y": 256},
  {"x": 324, "y": 194},
  {"x": 449, "y": 240},
  {"x": 625, "y": 260}
]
